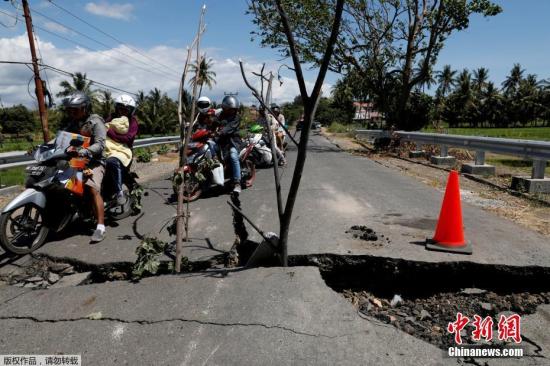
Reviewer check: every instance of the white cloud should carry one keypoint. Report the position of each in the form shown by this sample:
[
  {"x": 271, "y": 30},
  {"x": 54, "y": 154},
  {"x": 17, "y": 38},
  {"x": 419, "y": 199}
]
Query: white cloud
[
  {"x": 132, "y": 76},
  {"x": 55, "y": 27},
  {"x": 116, "y": 11}
]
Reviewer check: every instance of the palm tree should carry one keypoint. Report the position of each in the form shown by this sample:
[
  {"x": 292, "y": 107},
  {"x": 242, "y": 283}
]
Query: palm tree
[
  {"x": 491, "y": 108},
  {"x": 79, "y": 83},
  {"x": 446, "y": 80},
  {"x": 480, "y": 79},
  {"x": 511, "y": 84},
  {"x": 106, "y": 103},
  {"x": 205, "y": 77}
]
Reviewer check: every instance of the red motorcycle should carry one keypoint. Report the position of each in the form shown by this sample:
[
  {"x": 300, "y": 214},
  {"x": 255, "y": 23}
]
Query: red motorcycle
[{"x": 206, "y": 168}]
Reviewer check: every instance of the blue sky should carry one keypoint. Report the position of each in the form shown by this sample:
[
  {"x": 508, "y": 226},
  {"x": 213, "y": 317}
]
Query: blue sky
[{"x": 162, "y": 29}]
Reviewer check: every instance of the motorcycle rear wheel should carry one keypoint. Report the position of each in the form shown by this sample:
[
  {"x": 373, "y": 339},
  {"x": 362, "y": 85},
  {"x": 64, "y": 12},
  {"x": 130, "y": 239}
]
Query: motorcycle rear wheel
[{"x": 23, "y": 230}]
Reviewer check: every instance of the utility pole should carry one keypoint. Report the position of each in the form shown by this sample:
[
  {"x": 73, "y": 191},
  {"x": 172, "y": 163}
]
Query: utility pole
[{"x": 37, "y": 81}]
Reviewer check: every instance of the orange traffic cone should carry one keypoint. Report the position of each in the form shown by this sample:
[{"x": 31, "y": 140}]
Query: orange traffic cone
[{"x": 449, "y": 234}]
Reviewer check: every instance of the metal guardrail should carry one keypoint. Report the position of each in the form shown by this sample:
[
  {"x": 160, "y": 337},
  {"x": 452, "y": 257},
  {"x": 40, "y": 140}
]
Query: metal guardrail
[
  {"x": 538, "y": 151},
  {"x": 19, "y": 158}
]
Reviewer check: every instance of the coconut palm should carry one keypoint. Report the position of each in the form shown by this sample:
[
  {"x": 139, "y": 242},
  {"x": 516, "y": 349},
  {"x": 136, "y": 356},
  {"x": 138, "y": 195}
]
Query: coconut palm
[
  {"x": 79, "y": 83},
  {"x": 446, "y": 80},
  {"x": 205, "y": 76},
  {"x": 511, "y": 84},
  {"x": 480, "y": 80}
]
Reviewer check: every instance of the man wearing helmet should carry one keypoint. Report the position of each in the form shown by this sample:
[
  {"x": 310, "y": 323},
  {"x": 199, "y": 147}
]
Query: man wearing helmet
[
  {"x": 125, "y": 107},
  {"x": 228, "y": 136},
  {"x": 79, "y": 107}
]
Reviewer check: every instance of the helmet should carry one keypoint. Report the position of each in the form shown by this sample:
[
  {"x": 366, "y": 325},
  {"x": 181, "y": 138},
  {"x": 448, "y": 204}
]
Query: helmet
[
  {"x": 275, "y": 108},
  {"x": 230, "y": 102},
  {"x": 204, "y": 104},
  {"x": 126, "y": 101},
  {"x": 256, "y": 128},
  {"x": 78, "y": 100}
]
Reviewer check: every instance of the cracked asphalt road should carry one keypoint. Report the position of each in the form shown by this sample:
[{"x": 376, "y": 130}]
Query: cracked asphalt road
[
  {"x": 271, "y": 315},
  {"x": 260, "y": 316}
]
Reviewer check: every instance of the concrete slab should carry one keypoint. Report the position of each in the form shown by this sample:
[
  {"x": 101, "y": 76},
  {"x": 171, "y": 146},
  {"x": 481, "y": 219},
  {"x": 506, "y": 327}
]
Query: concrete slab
[
  {"x": 443, "y": 160},
  {"x": 417, "y": 154},
  {"x": 271, "y": 315},
  {"x": 484, "y": 170},
  {"x": 529, "y": 185}
]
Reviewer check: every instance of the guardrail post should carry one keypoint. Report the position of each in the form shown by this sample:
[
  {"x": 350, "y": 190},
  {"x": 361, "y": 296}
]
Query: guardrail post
[
  {"x": 444, "y": 158},
  {"x": 479, "y": 167},
  {"x": 537, "y": 183},
  {"x": 539, "y": 166},
  {"x": 444, "y": 151},
  {"x": 480, "y": 157}
]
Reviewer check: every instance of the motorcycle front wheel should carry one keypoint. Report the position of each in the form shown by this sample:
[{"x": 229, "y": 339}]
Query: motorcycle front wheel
[{"x": 23, "y": 230}]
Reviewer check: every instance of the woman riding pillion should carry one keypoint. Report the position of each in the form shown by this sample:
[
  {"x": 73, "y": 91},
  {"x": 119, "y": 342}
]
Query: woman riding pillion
[
  {"x": 207, "y": 120},
  {"x": 121, "y": 133}
]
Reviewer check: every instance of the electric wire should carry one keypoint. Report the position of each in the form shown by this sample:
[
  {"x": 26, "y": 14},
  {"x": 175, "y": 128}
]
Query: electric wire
[
  {"x": 112, "y": 37},
  {"x": 91, "y": 49},
  {"x": 103, "y": 44},
  {"x": 67, "y": 73}
]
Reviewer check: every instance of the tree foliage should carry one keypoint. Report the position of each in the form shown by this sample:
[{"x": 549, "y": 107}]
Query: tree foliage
[
  {"x": 17, "y": 119},
  {"x": 392, "y": 44}
]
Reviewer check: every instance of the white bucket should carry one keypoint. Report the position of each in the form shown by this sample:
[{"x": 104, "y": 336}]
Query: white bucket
[{"x": 217, "y": 175}]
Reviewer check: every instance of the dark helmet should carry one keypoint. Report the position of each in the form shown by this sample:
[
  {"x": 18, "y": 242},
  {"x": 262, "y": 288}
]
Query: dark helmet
[
  {"x": 78, "y": 100},
  {"x": 230, "y": 102},
  {"x": 275, "y": 108}
]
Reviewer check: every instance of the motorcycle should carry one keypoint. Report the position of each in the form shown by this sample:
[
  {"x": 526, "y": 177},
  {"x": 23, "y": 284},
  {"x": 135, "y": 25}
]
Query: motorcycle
[
  {"x": 53, "y": 198},
  {"x": 257, "y": 148},
  {"x": 205, "y": 169}
]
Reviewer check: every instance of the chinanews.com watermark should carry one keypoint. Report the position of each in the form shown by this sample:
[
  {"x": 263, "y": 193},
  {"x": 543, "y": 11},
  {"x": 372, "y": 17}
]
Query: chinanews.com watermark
[{"x": 508, "y": 330}]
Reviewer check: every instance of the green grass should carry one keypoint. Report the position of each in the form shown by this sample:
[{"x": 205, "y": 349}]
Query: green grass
[
  {"x": 12, "y": 176},
  {"x": 525, "y": 133},
  {"x": 336, "y": 127},
  {"x": 17, "y": 145}
]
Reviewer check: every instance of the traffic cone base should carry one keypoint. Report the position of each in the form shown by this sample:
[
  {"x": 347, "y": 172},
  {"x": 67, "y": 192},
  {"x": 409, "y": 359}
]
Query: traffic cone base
[{"x": 441, "y": 247}]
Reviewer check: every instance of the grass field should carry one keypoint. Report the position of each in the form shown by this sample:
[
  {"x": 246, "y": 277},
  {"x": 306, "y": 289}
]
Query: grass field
[
  {"x": 12, "y": 176},
  {"x": 527, "y": 133}
]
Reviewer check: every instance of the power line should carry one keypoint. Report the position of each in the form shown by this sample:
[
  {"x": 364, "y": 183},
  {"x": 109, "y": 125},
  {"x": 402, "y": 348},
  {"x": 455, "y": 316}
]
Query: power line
[
  {"x": 110, "y": 36},
  {"x": 88, "y": 48},
  {"x": 67, "y": 73},
  {"x": 101, "y": 43}
]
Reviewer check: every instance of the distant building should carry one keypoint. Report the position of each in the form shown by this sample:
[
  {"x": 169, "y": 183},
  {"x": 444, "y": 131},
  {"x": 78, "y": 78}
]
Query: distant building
[{"x": 365, "y": 112}]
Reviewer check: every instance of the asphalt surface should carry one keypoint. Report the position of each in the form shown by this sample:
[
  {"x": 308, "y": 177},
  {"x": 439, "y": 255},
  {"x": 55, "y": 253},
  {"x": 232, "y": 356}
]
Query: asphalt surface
[
  {"x": 269, "y": 316},
  {"x": 338, "y": 190}
]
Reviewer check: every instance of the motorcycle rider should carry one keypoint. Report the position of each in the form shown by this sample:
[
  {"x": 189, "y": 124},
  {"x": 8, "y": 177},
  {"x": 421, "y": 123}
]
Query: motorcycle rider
[
  {"x": 266, "y": 121},
  {"x": 125, "y": 106},
  {"x": 79, "y": 110},
  {"x": 228, "y": 136},
  {"x": 207, "y": 120},
  {"x": 278, "y": 129}
]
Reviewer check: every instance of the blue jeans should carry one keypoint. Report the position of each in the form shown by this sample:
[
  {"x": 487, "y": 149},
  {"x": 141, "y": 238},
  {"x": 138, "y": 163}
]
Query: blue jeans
[
  {"x": 235, "y": 164},
  {"x": 114, "y": 171}
]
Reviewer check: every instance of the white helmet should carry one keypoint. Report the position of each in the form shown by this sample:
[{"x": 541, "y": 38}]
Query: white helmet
[
  {"x": 204, "y": 104},
  {"x": 127, "y": 101}
]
